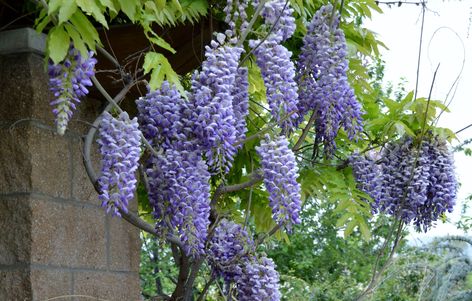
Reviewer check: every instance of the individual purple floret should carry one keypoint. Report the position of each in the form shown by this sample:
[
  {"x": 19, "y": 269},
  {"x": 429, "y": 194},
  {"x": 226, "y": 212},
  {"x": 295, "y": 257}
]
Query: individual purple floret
[
  {"x": 259, "y": 281},
  {"x": 322, "y": 80},
  {"x": 229, "y": 249},
  {"x": 180, "y": 195},
  {"x": 164, "y": 118},
  {"x": 367, "y": 175},
  {"x": 68, "y": 82},
  {"x": 417, "y": 184},
  {"x": 212, "y": 98},
  {"x": 278, "y": 72},
  {"x": 120, "y": 149},
  {"x": 280, "y": 179}
]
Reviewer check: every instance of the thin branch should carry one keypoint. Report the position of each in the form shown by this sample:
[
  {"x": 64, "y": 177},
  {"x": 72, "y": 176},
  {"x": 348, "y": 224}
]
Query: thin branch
[
  {"x": 205, "y": 289},
  {"x": 464, "y": 128},
  {"x": 255, "y": 178},
  {"x": 191, "y": 279},
  {"x": 266, "y": 36},
  {"x": 423, "y": 11},
  {"x": 305, "y": 131},
  {"x": 251, "y": 23}
]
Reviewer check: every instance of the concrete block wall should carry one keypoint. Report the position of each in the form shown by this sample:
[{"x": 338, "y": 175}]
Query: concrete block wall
[{"x": 55, "y": 239}]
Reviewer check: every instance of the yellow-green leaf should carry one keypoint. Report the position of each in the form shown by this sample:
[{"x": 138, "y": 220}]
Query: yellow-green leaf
[
  {"x": 54, "y": 5},
  {"x": 92, "y": 8},
  {"x": 58, "y": 44},
  {"x": 129, "y": 8},
  {"x": 67, "y": 9}
]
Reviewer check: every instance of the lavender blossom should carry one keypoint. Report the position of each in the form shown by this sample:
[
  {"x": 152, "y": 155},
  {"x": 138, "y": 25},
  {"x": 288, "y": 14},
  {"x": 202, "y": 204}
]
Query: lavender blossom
[
  {"x": 229, "y": 249},
  {"x": 367, "y": 175},
  {"x": 180, "y": 195},
  {"x": 212, "y": 98},
  {"x": 278, "y": 16},
  {"x": 259, "y": 281},
  {"x": 278, "y": 72},
  {"x": 322, "y": 80},
  {"x": 280, "y": 179},
  {"x": 235, "y": 11},
  {"x": 417, "y": 184},
  {"x": 120, "y": 148},
  {"x": 241, "y": 102},
  {"x": 68, "y": 82},
  {"x": 165, "y": 118}
]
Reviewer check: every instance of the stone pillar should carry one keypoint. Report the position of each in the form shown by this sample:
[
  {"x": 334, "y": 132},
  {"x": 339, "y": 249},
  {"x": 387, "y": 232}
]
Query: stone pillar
[{"x": 55, "y": 239}]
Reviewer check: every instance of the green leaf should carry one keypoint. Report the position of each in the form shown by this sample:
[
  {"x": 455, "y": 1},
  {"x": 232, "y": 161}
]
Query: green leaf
[
  {"x": 161, "y": 4},
  {"x": 58, "y": 44},
  {"x": 87, "y": 31},
  {"x": 54, "y": 5},
  {"x": 76, "y": 39},
  {"x": 365, "y": 232},
  {"x": 42, "y": 23},
  {"x": 154, "y": 38},
  {"x": 343, "y": 219},
  {"x": 67, "y": 9},
  {"x": 110, "y": 5},
  {"x": 402, "y": 128},
  {"x": 160, "y": 69},
  {"x": 92, "y": 8},
  {"x": 349, "y": 228},
  {"x": 129, "y": 8}
]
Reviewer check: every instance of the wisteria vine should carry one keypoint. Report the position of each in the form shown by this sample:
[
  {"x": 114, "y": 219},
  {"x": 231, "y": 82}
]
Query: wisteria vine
[{"x": 196, "y": 137}]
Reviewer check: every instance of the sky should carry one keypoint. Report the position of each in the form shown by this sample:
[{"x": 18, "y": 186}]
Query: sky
[{"x": 446, "y": 41}]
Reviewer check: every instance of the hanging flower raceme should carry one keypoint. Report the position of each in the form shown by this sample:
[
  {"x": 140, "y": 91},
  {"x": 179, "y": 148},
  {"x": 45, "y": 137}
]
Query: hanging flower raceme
[
  {"x": 322, "y": 80},
  {"x": 417, "y": 184},
  {"x": 68, "y": 82},
  {"x": 120, "y": 149},
  {"x": 367, "y": 175},
  {"x": 277, "y": 70},
  {"x": 280, "y": 179},
  {"x": 165, "y": 118},
  {"x": 212, "y": 99},
  {"x": 235, "y": 11},
  {"x": 229, "y": 249},
  {"x": 278, "y": 16},
  {"x": 241, "y": 103},
  {"x": 179, "y": 192},
  {"x": 259, "y": 281}
]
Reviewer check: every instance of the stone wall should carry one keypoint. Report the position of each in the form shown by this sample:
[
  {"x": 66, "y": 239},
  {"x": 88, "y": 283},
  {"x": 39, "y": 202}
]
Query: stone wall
[{"x": 55, "y": 239}]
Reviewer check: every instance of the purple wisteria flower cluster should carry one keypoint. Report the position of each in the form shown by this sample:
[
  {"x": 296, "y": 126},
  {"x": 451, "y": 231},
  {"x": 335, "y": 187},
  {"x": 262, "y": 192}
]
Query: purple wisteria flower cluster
[
  {"x": 229, "y": 248},
  {"x": 259, "y": 281},
  {"x": 277, "y": 70},
  {"x": 367, "y": 175},
  {"x": 231, "y": 255},
  {"x": 165, "y": 118},
  {"x": 280, "y": 179},
  {"x": 68, "y": 81},
  {"x": 418, "y": 184},
  {"x": 278, "y": 17},
  {"x": 236, "y": 14},
  {"x": 178, "y": 178},
  {"x": 120, "y": 148},
  {"x": 213, "y": 91},
  {"x": 322, "y": 80},
  {"x": 414, "y": 184},
  {"x": 179, "y": 192}
]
